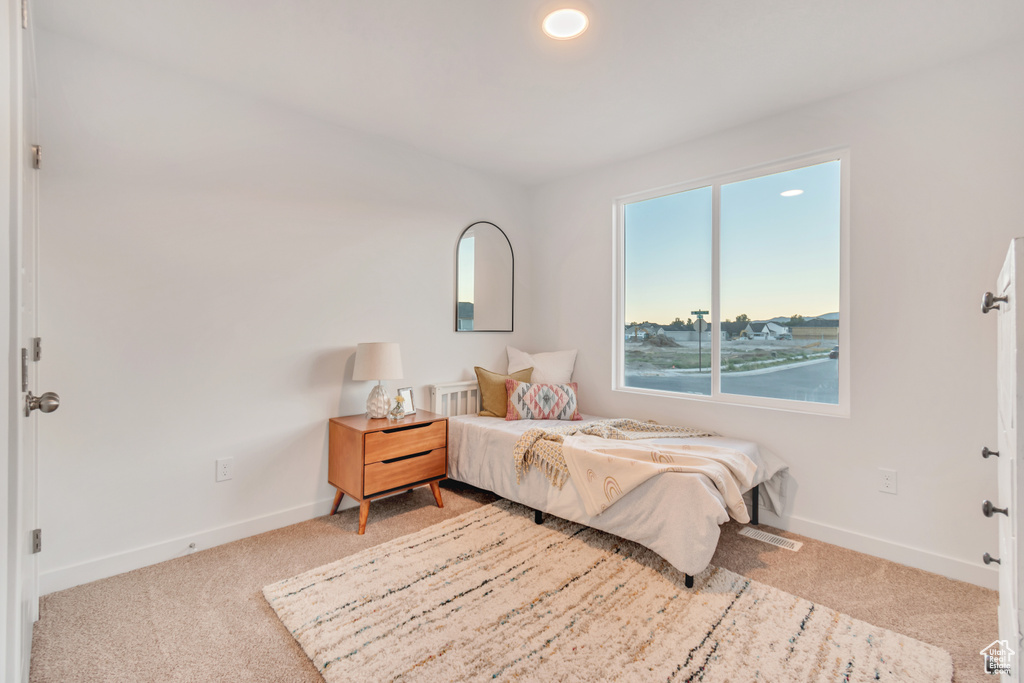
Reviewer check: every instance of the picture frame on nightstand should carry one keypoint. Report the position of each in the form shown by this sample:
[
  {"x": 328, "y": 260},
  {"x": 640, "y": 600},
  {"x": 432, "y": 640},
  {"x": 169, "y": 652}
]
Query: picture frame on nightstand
[{"x": 406, "y": 393}]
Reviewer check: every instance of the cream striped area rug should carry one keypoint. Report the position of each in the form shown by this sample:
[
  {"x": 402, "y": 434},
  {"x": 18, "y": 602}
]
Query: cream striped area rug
[{"x": 490, "y": 596}]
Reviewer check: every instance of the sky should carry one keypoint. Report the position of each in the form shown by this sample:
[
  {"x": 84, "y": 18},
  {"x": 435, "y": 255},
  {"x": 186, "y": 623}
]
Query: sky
[{"x": 779, "y": 255}]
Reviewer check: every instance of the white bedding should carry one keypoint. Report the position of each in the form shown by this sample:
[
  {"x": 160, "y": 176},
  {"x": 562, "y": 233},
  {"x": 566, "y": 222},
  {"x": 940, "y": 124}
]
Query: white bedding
[{"x": 675, "y": 514}]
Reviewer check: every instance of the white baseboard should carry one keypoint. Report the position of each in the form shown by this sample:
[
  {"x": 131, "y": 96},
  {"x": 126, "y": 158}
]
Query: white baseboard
[
  {"x": 100, "y": 568},
  {"x": 950, "y": 567}
]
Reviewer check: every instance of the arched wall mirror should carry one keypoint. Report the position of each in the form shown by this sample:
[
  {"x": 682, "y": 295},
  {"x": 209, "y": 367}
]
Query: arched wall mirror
[{"x": 484, "y": 278}]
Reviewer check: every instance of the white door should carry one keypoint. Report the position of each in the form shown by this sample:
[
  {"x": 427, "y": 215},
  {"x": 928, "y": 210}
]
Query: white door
[
  {"x": 23, "y": 571},
  {"x": 28, "y": 327},
  {"x": 1009, "y": 403}
]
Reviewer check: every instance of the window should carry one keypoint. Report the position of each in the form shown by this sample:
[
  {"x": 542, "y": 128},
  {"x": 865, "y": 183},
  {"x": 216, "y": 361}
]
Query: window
[{"x": 732, "y": 289}]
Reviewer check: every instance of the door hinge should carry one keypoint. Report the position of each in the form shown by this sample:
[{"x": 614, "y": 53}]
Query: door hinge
[
  {"x": 37, "y": 156},
  {"x": 24, "y": 13},
  {"x": 37, "y": 348},
  {"x": 37, "y": 541},
  {"x": 24, "y": 370}
]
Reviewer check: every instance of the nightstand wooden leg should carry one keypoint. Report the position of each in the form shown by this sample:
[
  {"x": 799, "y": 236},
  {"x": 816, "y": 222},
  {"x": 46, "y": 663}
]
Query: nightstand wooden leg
[
  {"x": 437, "y": 493},
  {"x": 337, "y": 500},
  {"x": 364, "y": 511}
]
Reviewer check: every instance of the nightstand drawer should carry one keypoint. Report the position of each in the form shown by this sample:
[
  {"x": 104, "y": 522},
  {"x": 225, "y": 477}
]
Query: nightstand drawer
[
  {"x": 394, "y": 443},
  {"x": 381, "y": 476}
]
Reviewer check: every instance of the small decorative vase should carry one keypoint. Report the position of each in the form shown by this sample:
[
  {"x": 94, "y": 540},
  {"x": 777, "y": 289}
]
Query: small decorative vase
[
  {"x": 378, "y": 402},
  {"x": 398, "y": 412}
]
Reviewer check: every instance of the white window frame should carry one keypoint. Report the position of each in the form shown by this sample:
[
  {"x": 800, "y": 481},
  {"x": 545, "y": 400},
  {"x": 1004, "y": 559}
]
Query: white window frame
[{"x": 841, "y": 409}]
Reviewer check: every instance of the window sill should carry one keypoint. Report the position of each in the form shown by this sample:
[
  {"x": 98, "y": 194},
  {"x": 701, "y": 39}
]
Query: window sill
[{"x": 777, "y": 404}]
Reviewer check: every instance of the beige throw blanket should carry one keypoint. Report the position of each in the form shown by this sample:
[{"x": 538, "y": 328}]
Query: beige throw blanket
[
  {"x": 542, "y": 448},
  {"x": 603, "y": 471}
]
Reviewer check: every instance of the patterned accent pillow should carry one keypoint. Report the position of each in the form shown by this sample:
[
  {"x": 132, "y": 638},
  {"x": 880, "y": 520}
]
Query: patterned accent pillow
[
  {"x": 528, "y": 401},
  {"x": 493, "y": 395}
]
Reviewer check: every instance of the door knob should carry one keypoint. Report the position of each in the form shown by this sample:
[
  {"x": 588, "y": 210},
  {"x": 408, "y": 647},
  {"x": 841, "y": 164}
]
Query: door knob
[
  {"x": 985, "y": 452},
  {"x": 988, "y": 302},
  {"x": 988, "y": 559},
  {"x": 47, "y": 403},
  {"x": 988, "y": 509}
]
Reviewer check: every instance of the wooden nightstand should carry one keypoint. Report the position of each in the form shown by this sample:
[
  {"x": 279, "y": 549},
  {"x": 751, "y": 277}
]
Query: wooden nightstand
[{"x": 370, "y": 458}]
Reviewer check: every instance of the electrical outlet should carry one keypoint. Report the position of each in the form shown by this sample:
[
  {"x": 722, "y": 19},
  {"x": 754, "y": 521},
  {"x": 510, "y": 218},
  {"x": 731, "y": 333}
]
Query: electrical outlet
[
  {"x": 225, "y": 466},
  {"x": 886, "y": 480}
]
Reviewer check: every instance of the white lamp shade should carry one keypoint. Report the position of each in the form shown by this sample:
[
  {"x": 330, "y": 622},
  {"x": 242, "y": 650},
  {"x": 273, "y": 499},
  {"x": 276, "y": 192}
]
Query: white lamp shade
[{"x": 378, "y": 360}]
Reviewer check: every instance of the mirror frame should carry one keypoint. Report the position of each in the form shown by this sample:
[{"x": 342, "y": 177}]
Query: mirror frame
[{"x": 512, "y": 255}]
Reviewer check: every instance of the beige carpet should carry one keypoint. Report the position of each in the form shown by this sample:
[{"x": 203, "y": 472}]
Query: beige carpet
[{"x": 204, "y": 618}]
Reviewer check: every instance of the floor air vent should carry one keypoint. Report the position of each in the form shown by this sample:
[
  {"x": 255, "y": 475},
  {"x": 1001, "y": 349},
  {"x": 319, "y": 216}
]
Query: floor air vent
[{"x": 771, "y": 538}]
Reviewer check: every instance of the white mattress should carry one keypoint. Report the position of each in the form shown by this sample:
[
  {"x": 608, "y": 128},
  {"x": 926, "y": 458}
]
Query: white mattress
[{"x": 675, "y": 514}]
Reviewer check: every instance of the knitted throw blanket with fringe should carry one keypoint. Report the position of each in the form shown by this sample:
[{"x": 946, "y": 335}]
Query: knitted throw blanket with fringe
[{"x": 542, "y": 448}]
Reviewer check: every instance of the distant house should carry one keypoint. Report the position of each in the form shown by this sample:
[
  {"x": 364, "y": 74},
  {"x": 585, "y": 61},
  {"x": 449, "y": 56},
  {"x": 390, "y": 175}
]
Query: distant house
[
  {"x": 823, "y": 329},
  {"x": 768, "y": 330},
  {"x": 641, "y": 332},
  {"x": 819, "y": 333},
  {"x": 733, "y": 330}
]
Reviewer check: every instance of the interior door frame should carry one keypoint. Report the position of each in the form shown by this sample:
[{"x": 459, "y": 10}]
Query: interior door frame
[
  {"x": 8, "y": 499},
  {"x": 17, "y": 479}
]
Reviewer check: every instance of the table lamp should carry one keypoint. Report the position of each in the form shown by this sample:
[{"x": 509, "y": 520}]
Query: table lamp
[{"x": 378, "y": 361}]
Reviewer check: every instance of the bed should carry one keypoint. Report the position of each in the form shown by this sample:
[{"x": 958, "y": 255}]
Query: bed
[{"x": 677, "y": 515}]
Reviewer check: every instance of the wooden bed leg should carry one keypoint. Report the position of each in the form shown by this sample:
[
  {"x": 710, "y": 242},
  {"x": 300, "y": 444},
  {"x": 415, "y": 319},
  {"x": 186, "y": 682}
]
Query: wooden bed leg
[
  {"x": 689, "y": 581},
  {"x": 538, "y": 517},
  {"x": 754, "y": 504}
]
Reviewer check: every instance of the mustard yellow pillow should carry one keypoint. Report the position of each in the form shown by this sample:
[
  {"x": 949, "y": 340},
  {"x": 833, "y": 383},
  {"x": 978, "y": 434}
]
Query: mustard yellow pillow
[{"x": 493, "y": 395}]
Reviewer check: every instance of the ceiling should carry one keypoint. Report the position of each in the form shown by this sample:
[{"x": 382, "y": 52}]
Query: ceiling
[{"x": 477, "y": 82}]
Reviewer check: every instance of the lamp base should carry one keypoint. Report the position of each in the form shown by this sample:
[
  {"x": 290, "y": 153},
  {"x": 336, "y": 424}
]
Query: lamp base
[{"x": 378, "y": 402}]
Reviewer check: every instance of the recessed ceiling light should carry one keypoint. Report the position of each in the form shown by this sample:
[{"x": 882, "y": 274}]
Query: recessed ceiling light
[
  {"x": 792, "y": 193},
  {"x": 564, "y": 24}
]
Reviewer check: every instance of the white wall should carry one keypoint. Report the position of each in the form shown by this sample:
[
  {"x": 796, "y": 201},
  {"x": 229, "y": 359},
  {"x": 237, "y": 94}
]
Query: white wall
[
  {"x": 209, "y": 263},
  {"x": 936, "y": 198}
]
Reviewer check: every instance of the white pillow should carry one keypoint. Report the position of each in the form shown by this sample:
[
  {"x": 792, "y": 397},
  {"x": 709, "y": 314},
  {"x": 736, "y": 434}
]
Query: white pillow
[{"x": 553, "y": 367}]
